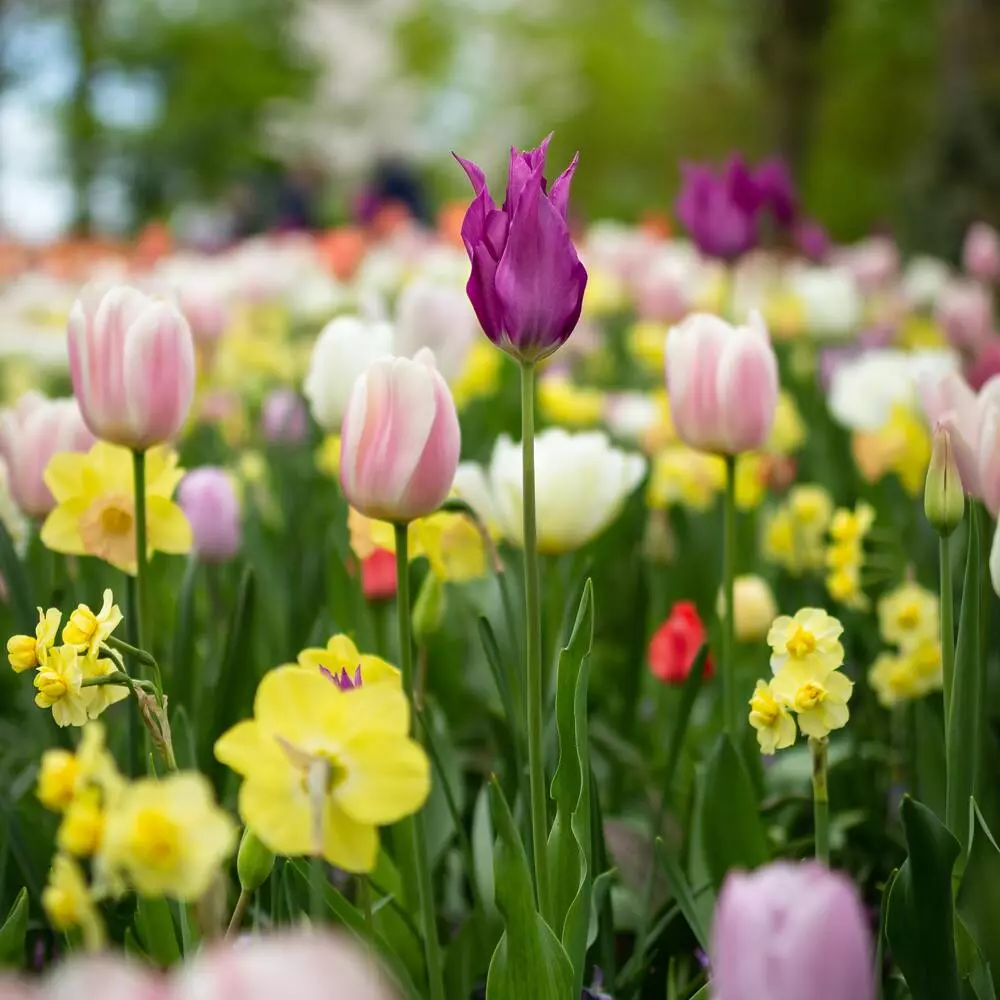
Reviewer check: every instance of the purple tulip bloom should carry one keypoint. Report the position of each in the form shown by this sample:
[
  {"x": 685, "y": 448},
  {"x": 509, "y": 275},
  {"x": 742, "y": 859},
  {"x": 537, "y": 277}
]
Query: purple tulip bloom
[
  {"x": 527, "y": 281},
  {"x": 719, "y": 212},
  {"x": 812, "y": 240},
  {"x": 209, "y": 501},
  {"x": 776, "y": 191}
]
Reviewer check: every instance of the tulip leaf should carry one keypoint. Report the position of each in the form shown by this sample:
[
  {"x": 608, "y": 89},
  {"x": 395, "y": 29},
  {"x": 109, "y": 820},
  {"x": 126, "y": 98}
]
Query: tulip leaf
[
  {"x": 569, "y": 844},
  {"x": 13, "y": 932},
  {"x": 529, "y": 961},
  {"x": 981, "y": 981},
  {"x": 181, "y": 683},
  {"x": 482, "y": 851},
  {"x": 978, "y": 899},
  {"x": 154, "y": 925},
  {"x": 683, "y": 894},
  {"x": 920, "y": 919},
  {"x": 965, "y": 730},
  {"x": 133, "y": 948},
  {"x": 469, "y": 953},
  {"x": 19, "y": 590},
  {"x": 731, "y": 827}
]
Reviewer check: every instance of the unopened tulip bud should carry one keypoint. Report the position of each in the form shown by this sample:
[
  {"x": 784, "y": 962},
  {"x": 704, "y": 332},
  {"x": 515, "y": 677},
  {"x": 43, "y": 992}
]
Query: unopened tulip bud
[
  {"x": 428, "y": 611},
  {"x": 208, "y": 498},
  {"x": 944, "y": 497},
  {"x": 254, "y": 862},
  {"x": 755, "y": 607}
]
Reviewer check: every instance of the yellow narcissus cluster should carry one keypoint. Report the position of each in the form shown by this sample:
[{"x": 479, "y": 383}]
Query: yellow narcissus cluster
[
  {"x": 807, "y": 686},
  {"x": 71, "y": 679},
  {"x": 908, "y": 620},
  {"x": 845, "y": 555},
  {"x": 794, "y": 535},
  {"x": 158, "y": 837}
]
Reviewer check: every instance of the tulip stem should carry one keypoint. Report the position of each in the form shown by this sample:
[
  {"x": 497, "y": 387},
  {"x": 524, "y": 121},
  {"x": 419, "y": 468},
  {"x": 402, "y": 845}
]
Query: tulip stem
[
  {"x": 414, "y": 826},
  {"x": 821, "y": 799},
  {"x": 141, "y": 549},
  {"x": 947, "y": 628},
  {"x": 730, "y": 710},
  {"x": 533, "y": 642},
  {"x": 238, "y": 912}
]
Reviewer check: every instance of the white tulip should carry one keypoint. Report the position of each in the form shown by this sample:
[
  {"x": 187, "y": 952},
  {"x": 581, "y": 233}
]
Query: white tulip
[
  {"x": 831, "y": 301},
  {"x": 924, "y": 280},
  {"x": 344, "y": 350},
  {"x": 438, "y": 315},
  {"x": 581, "y": 484}
]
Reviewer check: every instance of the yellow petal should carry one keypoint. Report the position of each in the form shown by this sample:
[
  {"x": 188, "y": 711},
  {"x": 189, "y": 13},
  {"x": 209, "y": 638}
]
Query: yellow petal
[
  {"x": 387, "y": 779},
  {"x": 246, "y": 750},
  {"x": 301, "y": 706},
  {"x": 169, "y": 530},
  {"x": 61, "y": 530},
  {"x": 348, "y": 844},
  {"x": 162, "y": 472},
  {"x": 375, "y": 670},
  {"x": 278, "y": 815},
  {"x": 344, "y": 650},
  {"x": 64, "y": 475}
]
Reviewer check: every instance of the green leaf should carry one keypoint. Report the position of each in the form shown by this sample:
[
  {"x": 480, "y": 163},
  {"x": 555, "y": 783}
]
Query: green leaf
[
  {"x": 965, "y": 750},
  {"x": 880, "y": 943},
  {"x": 469, "y": 953},
  {"x": 981, "y": 981},
  {"x": 689, "y": 694},
  {"x": 181, "y": 683},
  {"x": 920, "y": 919},
  {"x": 978, "y": 900},
  {"x": 929, "y": 754},
  {"x": 599, "y": 896},
  {"x": 154, "y": 926},
  {"x": 529, "y": 961},
  {"x": 731, "y": 828},
  {"x": 13, "y": 933},
  {"x": 21, "y": 596},
  {"x": 133, "y": 948},
  {"x": 496, "y": 664},
  {"x": 569, "y": 840},
  {"x": 482, "y": 850},
  {"x": 684, "y": 896}
]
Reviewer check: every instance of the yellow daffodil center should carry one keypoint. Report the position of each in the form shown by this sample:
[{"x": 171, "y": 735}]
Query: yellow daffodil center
[
  {"x": 107, "y": 528},
  {"x": 61, "y": 907},
  {"x": 57, "y": 779},
  {"x": 81, "y": 627},
  {"x": 909, "y": 615},
  {"x": 51, "y": 685},
  {"x": 801, "y": 643},
  {"x": 809, "y": 696},
  {"x": 81, "y": 830},
  {"x": 156, "y": 840},
  {"x": 765, "y": 708}
]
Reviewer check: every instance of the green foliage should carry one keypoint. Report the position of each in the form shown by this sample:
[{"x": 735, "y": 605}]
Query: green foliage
[{"x": 13, "y": 932}]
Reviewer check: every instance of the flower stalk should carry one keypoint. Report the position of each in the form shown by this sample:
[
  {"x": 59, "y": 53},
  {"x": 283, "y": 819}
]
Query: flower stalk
[
  {"x": 141, "y": 551},
  {"x": 730, "y": 709},
  {"x": 821, "y": 798}
]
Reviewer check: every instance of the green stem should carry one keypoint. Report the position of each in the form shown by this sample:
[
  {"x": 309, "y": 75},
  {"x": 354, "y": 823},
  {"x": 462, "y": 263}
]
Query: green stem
[
  {"x": 415, "y": 824},
  {"x": 730, "y": 709},
  {"x": 238, "y": 912},
  {"x": 821, "y": 799},
  {"x": 317, "y": 883},
  {"x": 140, "y": 656},
  {"x": 142, "y": 582},
  {"x": 947, "y": 628},
  {"x": 533, "y": 643}
]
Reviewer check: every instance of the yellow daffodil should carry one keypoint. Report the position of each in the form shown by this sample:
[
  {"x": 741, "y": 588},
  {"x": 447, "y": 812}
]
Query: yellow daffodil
[
  {"x": 57, "y": 779},
  {"x": 775, "y": 726},
  {"x": 788, "y": 432},
  {"x": 902, "y": 446},
  {"x": 102, "y": 696},
  {"x": 925, "y": 659},
  {"x": 562, "y": 402},
  {"x": 843, "y": 584},
  {"x": 323, "y": 770},
  {"x": 811, "y": 507},
  {"x": 751, "y": 480},
  {"x": 819, "y": 701},
  {"x": 95, "y": 765},
  {"x": 852, "y": 525},
  {"x": 681, "y": 475},
  {"x": 82, "y": 826},
  {"x": 480, "y": 376},
  {"x": 328, "y": 456},
  {"x": 647, "y": 343},
  {"x": 167, "y": 837},
  {"x": 69, "y": 904},
  {"x": 95, "y": 512},
  {"x": 87, "y": 631},
  {"x": 59, "y": 684},
  {"x": 899, "y": 677},
  {"x": 806, "y": 645},
  {"x": 785, "y": 315},
  {"x": 341, "y": 663},
  {"x": 662, "y": 432},
  {"x": 908, "y": 615},
  {"x": 794, "y": 534},
  {"x": 604, "y": 294},
  {"x": 25, "y": 652}
]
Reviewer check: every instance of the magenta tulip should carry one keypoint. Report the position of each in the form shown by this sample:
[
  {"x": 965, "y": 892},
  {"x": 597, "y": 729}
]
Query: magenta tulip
[
  {"x": 527, "y": 281},
  {"x": 209, "y": 501},
  {"x": 132, "y": 362}
]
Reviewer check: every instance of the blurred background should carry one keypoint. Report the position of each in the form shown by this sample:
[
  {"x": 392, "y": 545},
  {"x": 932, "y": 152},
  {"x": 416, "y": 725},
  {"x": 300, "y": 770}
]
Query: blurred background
[{"x": 227, "y": 117}]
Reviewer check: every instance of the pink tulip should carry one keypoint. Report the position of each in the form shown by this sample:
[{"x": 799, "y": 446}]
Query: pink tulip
[
  {"x": 791, "y": 931},
  {"x": 30, "y": 434},
  {"x": 965, "y": 312},
  {"x": 985, "y": 364},
  {"x": 104, "y": 976},
  {"x": 302, "y": 966},
  {"x": 208, "y": 498},
  {"x": 722, "y": 382},
  {"x": 950, "y": 403},
  {"x": 981, "y": 252},
  {"x": 284, "y": 417},
  {"x": 132, "y": 362},
  {"x": 400, "y": 440}
]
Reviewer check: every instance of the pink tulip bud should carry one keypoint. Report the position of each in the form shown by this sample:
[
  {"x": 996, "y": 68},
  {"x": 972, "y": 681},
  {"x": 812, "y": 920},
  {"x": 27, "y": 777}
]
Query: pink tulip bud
[
  {"x": 104, "y": 976},
  {"x": 30, "y": 434},
  {"x": 208, "y": 498},
  {"x": 722, "y": 382},
  {"x": 284, "y": 418},
  {"x": 790, "y": 931},
  {"x": 132, "y": 362},
  {"x": 303, "y": 966},
  {"x": 965, "y": 312},
  {"x": 400, "y": 440},
  {"x": 981, "y": 252}
]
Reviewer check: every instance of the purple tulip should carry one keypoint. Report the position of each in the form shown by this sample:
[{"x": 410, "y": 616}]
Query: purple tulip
[
  {"x": 776, "y": 191},
  {"x": 719, "y": 212},
  {"x": 789, "y": 931},
  {"x": 527, "y": 281},
  {"x": 209, "y": 502},
  {"x": 812, "y": 240},
  {"x": 284, "y": 417}
]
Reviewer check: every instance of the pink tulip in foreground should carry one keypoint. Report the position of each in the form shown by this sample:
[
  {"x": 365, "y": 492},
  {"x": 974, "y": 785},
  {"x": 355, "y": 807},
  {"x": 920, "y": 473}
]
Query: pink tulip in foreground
[
  {"x": 132, "y": 362},
  {"x": 722, "y": 382},
  {"x": 400, "y": 440},
  {"x": 790, "y": 932},
  {"x": 30, "y": 434}
]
